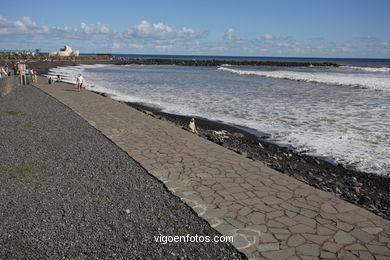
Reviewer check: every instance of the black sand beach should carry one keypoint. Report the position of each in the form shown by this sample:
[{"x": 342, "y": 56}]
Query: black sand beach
[
  {"x": 367, "y": 190},
  {"x": 67, "y": 192}
]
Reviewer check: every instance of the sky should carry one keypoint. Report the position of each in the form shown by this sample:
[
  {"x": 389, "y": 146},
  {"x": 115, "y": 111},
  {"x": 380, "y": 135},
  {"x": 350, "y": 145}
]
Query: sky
[{"x": 278, "y": 28}]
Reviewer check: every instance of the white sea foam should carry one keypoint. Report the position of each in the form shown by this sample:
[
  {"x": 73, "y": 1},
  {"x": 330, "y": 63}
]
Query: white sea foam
[
  {"x": 373, "y": 82},
  {"x": 368, "y": 69}
]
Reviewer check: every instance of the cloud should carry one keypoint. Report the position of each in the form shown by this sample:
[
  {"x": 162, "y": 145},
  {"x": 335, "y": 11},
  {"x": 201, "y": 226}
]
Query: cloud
[
  {"x": 229, "y": 34},
  {"x": 27, "y": 27},
  {"x": 269, "y": 36},
  {"x": 116, "y": 45},
  {"x": 159, "y": 31},
  {"x": 94, "y": 29},
  {"x": 23, "y": 26},
  {"x": 163, "y": 47}
]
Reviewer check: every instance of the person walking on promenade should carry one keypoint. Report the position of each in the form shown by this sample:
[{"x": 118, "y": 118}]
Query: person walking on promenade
[{"x": 79, "y": 81}]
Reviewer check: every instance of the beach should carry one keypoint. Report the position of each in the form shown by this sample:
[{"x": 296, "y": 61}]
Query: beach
[
  {"x": 365, "y": 189},
  {"x": 269, "y": 214},
  {"x": 274, "y": 208}
]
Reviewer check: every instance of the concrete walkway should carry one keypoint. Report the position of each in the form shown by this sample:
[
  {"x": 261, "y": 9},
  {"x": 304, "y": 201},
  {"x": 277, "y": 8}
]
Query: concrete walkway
[{"x": 271, "y": 215}]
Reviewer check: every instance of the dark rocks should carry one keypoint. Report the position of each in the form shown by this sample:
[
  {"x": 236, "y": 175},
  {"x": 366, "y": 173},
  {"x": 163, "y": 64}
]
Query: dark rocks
[
  {"x": 42, "y": 66},
  {"x": 213, "y": 62}
]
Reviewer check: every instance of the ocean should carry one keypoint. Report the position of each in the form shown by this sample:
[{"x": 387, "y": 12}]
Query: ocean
[{"x": 341, "y": 114}]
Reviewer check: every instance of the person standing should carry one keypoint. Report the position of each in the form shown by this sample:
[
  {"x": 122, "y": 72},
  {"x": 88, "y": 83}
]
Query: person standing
[
  {"x": 79, "y": 81},
  {"x": 192, "y": 126}
]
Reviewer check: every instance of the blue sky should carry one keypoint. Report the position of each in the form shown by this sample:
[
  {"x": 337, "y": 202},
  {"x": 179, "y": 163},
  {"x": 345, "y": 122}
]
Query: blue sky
[{"x": 292, "y": 28}]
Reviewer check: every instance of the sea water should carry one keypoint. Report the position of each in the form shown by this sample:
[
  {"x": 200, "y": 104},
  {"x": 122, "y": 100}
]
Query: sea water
[{"x": 341, "y": 114}]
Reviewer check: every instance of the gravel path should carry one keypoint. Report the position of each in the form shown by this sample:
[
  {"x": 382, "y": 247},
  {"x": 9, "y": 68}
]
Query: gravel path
[{"x": 68, "y": 192}]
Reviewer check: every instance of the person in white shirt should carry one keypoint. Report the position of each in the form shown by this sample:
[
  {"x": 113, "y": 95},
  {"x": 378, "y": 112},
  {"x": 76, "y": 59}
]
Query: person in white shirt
[
  {"x": 192, "y": 126},
  {"x": 79, "y": 81}
]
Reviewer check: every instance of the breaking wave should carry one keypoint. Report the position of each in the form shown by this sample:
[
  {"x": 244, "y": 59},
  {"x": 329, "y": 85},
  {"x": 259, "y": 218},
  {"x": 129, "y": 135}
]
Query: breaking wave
[
  {"x": 368, "y": 69},
  {"x": 373, "y": 82}
]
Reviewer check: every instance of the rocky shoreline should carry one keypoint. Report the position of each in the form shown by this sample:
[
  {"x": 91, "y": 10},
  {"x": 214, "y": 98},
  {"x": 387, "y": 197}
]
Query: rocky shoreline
[
  {"x": 42, "y": 66},
  {"x": 369, "y": 191},
  {"x": 215, "y": 63}
]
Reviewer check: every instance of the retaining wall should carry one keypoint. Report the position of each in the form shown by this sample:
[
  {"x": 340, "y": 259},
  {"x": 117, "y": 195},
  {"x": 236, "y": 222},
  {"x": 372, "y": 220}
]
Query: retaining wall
[{"x": 7, "y": 84}]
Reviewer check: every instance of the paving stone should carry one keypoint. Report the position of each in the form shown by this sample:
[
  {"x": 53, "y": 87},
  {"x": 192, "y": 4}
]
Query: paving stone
[
  {"x": 326, "y": 207},
  {"x": 282, "y": 237},
  {"x": 224, "y": 228},
  {"x": 268, "y": 247},
  {"x": 271, "y": 200},
  {"x": 244, "y": 211},
  {"x": 280, "y": 254},
  {"x": 356, "y": 247},
  {"x": 350, "y": 217},
  {"x": 380, "y": 257},
  {"x": 343, "y": 238},
  {"x": 322, "y": 221},
  {"x": 303, "y": 204},
  {"x": 344, "y": 226},
  {"x": 286, "y": 221},
  {"x": 278, "y": 231},
  {"x": 240, "y": 241},
  {"x": 259, "y": 228},
  {"x": 296, "y": 240},
  {"x": 294, "y": 258},
  {"x": 301, "y": 228},
  {"x": 323, "y": 231},
  {"x": 384, "y": 239},
  {"x": 331, "y": 247},
  {"x": 345, "y": 206},
  {"x": 248, "y": 232},
  {"x": 275, "y": 224},
  {"x": 290, "y": 214},
  {"x": 257, "y": 218},
  {"x": 274, "y": 214},
  {"x": 344, "y": 254},
  {"x": 305, "y": 257},
  {"x": 366, "y": 255},
  {"x": 284, "y": 195},
  {"x": 308, "y": 249},
  {"x": 267, "y": 238},
  {"x": 373, "y": 230},
  {"x": 316, "y": 239},
  {"x": 305, "y": 220},
  {"x": 327, "y": 255},
  {"x": 379, "y": 250},
  {"x": 308, "y": 213},
  {"x": 235, "y": 222},
  {"x": 362, "y": 235},
  {"x": 250, "y": 201}
]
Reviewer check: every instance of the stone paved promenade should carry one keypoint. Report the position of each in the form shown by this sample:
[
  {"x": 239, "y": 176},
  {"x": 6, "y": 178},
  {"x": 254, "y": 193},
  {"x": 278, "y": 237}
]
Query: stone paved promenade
[{"x": 272, "y": 216}]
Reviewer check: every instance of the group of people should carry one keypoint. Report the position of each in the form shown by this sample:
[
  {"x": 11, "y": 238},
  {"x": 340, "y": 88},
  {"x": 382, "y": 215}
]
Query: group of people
[
  {"x": 19, "y": 69},
  {"x": 79, "y": 81}
]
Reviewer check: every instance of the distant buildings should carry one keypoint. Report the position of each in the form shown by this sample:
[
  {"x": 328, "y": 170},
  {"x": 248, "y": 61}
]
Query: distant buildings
[{"x": 66, "y": 51}]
